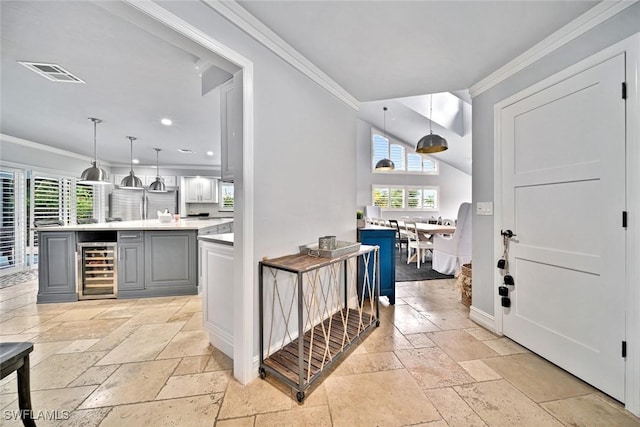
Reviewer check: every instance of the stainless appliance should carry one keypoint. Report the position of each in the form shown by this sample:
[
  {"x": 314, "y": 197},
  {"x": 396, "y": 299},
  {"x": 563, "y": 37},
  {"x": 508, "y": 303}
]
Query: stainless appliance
[
  {"x": 141, "y": 204},
  {"x": 97, "y": 270}
]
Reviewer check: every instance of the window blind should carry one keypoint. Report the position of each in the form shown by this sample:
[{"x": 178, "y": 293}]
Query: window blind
[{"x": 9, "y": 235}]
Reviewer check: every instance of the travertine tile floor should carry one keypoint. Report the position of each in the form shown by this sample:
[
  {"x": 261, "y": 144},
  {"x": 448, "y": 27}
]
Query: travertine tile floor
[{"x": 148, "y": 362}]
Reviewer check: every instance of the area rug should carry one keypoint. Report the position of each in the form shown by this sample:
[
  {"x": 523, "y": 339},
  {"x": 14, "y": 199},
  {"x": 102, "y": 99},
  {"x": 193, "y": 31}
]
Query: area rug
[
  {"x": 410, "y": 272},
  {"x": 16, "y": 278}
]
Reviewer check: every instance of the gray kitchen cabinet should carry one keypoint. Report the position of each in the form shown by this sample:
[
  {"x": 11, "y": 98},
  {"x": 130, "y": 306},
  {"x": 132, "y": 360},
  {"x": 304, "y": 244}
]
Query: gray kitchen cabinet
[
  {"x": 170, "y": 262},
  {"x": 130, "y": 261},
  {"x": 200, "y": 189},
  {"x": 56, "y": 266}
]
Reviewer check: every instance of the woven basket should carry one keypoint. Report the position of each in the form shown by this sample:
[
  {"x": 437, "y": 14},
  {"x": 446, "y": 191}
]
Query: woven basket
[{"x": 464, "y": 282}]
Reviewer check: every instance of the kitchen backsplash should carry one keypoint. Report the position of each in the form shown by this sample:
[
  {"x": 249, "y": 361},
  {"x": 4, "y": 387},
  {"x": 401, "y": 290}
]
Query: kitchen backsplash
[{"x": 210, "y": 208}]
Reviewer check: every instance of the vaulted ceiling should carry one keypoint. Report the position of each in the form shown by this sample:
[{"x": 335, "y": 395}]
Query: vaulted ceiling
[{"x": 376, "y": 50}]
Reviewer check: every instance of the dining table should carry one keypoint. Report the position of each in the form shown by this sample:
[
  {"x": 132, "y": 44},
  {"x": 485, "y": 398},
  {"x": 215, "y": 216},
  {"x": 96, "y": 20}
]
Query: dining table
[
  {"x": 431, "y": 229},
  {"x": 428, "y": 231}
]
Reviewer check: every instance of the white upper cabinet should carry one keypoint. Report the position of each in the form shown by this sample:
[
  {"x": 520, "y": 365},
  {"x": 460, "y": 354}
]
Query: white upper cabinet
[
  {"x": 200, "y": 190},
  {"x": 231, "y": 109}
]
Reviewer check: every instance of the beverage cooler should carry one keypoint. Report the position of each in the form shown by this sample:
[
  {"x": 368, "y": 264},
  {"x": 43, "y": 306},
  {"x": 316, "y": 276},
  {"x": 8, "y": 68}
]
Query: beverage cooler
[{"x": 97, "y": 270}]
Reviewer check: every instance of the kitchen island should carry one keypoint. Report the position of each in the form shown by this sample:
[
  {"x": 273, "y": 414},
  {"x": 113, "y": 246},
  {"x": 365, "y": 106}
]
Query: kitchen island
[
  {"x": 216, "y": 266},
  {"x": 144, "y": 258}
]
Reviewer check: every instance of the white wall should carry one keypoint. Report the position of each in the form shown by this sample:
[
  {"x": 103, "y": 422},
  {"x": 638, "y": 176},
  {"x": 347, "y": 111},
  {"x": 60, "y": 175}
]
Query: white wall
[
  {"x": 304, "y": 149},
  {"x": 606, "y": 34},
  {"x": 455, "y": 185}
]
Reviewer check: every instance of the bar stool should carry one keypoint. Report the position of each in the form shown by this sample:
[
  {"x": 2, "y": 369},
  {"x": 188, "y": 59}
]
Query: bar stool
[{"x": 14, "y": 356}]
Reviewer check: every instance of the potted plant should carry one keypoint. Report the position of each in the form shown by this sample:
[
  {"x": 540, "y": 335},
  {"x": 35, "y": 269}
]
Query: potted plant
[{"x": 360, "y": 218}]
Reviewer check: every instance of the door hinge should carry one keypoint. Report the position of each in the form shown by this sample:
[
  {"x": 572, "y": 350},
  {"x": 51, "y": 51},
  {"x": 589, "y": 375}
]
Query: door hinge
[
  {"x": 624, "y": 349},
  {"x": 624, "y": 219},
  {"x": 624, "y": 90}
]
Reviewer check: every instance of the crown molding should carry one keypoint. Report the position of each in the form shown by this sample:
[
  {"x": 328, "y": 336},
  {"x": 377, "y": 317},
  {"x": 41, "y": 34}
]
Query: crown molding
[
  {"x": 574, "y": 29},
  {"x": 248, "y": 23},
  {"x": 42, "y": 147}
]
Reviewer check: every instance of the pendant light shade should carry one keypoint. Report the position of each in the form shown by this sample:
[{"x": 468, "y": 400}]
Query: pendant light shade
[
  {"x": 94, "y": 175},
  {"x": 385, "y": 164},
  {"x": 431, "y": 143},
  {"x": 158, "y": 185},
  {"x": 131, "y": 181}
]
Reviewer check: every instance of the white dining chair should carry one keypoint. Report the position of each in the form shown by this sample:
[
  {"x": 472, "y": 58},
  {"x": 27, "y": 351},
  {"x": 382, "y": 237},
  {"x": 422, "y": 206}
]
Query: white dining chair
[
  {"x": 415, "y": 242},
  {"x": 450, "y": 252}
]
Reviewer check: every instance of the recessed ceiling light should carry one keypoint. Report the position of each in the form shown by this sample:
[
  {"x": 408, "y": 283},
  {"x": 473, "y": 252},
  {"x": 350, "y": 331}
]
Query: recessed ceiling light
[
  {"x": 209, "y": 153},
  {"x": 136, "y": 161},
  {"x": 166, "y": 121},
  {"x": 186, "y": 151}
]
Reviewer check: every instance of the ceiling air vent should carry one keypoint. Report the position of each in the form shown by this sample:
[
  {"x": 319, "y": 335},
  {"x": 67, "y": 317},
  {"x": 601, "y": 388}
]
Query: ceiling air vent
[
  {"x": 53, "y": 72},
  {"x": 186, "y": 151}
]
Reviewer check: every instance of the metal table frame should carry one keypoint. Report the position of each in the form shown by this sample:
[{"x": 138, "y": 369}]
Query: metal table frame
[{"x": 338, "y": 330}]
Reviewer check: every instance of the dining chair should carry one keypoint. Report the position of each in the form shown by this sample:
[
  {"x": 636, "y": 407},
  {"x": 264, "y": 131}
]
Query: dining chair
[
  {"x": 449, "y": 253},
  {"x": 420, "y": 245},
  {"x": 433, "y": 220},
  {"x": 401, "y": 238}
]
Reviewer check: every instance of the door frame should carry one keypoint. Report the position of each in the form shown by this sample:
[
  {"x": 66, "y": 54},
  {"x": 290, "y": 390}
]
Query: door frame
[
  {"x": 244, "y": 369},
  {"x": 631, "y": 47}
]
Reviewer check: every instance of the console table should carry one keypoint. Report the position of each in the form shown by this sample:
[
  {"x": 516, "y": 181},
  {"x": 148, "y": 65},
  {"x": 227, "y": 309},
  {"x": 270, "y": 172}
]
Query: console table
[{"x": 317, "y": 299}]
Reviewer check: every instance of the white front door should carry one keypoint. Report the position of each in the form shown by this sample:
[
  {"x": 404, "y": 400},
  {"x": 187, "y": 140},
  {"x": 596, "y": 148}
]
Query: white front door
[{"x": 563, "y": 194}]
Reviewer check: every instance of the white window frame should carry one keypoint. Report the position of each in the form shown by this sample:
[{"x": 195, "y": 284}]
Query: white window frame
[
  {"x": 400, "y": 168},
  {"x": 405, "y": 202},
  {"x": 221, "y": 206}
]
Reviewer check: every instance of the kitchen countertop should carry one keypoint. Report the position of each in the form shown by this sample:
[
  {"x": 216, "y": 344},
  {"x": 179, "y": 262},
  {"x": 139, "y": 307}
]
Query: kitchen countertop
[
  {"x": 146, "y": 224},
  {"x": 223, "y": 239}
]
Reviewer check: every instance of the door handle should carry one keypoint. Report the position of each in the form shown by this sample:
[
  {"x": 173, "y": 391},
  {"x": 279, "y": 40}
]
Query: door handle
[{"x": 507, "y": 233}]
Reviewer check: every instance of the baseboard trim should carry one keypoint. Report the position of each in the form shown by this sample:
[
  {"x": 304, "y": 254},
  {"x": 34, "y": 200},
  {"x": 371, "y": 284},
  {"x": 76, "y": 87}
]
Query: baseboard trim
[{"x": 483, "y": 319}]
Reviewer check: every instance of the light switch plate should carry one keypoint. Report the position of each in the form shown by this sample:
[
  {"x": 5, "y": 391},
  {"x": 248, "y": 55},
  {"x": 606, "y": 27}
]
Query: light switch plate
[{"x": 484, "y": 208}]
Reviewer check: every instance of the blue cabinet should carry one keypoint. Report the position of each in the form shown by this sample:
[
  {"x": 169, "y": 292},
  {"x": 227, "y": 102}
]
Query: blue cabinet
[{"x": 386, "y": 239}]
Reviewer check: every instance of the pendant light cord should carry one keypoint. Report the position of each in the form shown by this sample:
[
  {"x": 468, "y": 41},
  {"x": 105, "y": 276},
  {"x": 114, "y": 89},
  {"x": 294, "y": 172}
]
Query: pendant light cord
[
  {"x": 131, "y": 139},
  {"x": 384, "y": 122},
  {"x": 430, "y": 113},
  {"x": 157, "y": 167},
  {"x": 95, "y": 143}
]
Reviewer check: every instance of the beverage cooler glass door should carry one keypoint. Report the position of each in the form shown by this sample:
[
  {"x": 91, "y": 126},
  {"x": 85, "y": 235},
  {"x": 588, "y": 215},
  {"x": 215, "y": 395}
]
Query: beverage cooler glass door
[{"x": 97, "y": 270}]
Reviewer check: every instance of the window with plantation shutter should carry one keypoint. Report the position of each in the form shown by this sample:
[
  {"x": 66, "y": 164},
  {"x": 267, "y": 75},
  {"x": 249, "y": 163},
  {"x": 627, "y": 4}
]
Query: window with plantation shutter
[
  {"x": 84, "y": 201},
  {"x": 405, "y": 161},
  {"x": 430, "y": 166},
  {"x": 414, "y": 162},
  {"x": 381, "y": 197},
  {"x": 380, "y": 149},
  {"x": 12, "y": 236},
  {"x": 396, "y": 198},
  {"x": 397, "y": 156},
  {"x": 226, "y": 196},
  {"x": 406, "y": 198},
  {"x": 49, "y": 195}
]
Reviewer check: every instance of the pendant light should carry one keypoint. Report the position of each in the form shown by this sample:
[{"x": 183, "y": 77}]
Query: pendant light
[
  {"x": 385, "y": 164},
  {"x": 158, "y": 185},
  {"x": 131, "y": 181},
  {"x": 94, "y": 175},
  {"x": 431, "y": 143}
]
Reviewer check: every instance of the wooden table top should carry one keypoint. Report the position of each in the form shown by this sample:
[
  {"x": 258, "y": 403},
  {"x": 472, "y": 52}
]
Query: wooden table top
[
  {"x": 299, "y": 263},
  {"x": 422, "y": 227}
]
